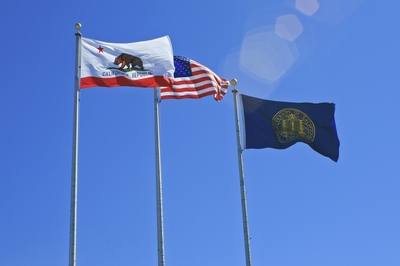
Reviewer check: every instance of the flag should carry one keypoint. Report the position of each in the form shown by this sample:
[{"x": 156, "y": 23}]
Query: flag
[
  {"x": 138, "y": 64},
  {"x": 279, "y": 125},
  {"x": 193, "y": 80}
]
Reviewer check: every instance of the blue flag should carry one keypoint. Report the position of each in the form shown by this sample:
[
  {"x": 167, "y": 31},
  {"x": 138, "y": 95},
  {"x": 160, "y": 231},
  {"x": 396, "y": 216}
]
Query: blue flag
[{"x": 279, "y": 125}]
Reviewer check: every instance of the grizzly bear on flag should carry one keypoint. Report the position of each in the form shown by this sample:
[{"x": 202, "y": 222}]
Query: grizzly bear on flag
[{"x": 128, "y": 60}]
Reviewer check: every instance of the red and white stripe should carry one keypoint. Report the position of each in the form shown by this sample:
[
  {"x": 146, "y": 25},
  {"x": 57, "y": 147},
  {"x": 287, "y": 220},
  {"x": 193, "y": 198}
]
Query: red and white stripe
[{"x": 203, "y": 82}]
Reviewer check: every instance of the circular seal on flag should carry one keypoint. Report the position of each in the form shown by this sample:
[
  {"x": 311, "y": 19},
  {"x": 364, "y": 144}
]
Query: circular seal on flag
[{"x": 291, "y": 124}]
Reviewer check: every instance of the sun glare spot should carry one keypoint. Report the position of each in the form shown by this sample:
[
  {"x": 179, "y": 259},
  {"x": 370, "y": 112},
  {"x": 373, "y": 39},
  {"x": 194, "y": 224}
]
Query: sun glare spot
[
  {"x": 266, "y": 56},
  {"x": 308, "y": 7},
  {"x": 288, "y": 27}
]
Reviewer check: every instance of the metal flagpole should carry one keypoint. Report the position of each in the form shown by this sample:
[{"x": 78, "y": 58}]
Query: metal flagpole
[
  {"x": 74, "y": 181},
  {"x": 241, "y": 173},
  {"x": 160, "y": 225}
]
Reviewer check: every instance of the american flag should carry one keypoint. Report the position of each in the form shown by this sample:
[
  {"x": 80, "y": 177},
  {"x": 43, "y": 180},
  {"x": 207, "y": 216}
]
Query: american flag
[{"x": 193, "y": 80}]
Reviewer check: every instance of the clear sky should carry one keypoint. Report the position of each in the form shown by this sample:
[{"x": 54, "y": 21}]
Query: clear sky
[{"x": 304, "y": 209}]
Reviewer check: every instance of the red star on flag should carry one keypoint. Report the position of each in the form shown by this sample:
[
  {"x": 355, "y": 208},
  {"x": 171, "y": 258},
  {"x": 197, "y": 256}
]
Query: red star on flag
[{"x": 100, "y": 49}]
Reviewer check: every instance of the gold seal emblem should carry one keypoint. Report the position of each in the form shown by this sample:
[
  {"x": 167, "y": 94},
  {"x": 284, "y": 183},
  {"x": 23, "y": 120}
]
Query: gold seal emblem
[{"x": 291, "y": 124}]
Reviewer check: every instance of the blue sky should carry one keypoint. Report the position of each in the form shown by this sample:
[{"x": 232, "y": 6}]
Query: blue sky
[{"x": 303, "y": 208}]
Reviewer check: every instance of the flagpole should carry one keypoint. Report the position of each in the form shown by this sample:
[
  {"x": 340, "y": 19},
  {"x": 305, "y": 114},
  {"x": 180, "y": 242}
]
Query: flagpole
[
  {"x": 74, "y": 178},
  {"x": 160, "y": 225},
  {"x": 241, "y": 173}
]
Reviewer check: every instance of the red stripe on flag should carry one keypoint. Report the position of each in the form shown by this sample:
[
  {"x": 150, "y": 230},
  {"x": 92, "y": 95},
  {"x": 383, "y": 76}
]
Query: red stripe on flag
[
  {"x": 147, "y": 82},
  {"x": 203, "y": 82}
]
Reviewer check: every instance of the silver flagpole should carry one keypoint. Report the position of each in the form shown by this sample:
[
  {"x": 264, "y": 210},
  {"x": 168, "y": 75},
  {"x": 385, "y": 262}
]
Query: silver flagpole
[
  {"x": 160, "y": 225},
  {"x": 74, "y": 181},
  {"x": 241, "y": 173}
]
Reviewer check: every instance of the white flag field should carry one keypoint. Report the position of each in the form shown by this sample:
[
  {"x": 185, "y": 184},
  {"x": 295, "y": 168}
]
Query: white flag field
[{"x": 146, "y": 64}]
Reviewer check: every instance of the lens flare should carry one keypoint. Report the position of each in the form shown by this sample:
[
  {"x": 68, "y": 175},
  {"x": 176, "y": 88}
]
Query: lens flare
[
  {"x": 288, "y": 27},
  {"x": 266, "y": 55},
  {"x": 308, "y": 7}
]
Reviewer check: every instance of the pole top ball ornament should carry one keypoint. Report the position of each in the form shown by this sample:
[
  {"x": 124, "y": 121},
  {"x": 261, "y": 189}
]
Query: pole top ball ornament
[
  {"x": 234, "y": 83},
  {"x": 78, "y": 26}
]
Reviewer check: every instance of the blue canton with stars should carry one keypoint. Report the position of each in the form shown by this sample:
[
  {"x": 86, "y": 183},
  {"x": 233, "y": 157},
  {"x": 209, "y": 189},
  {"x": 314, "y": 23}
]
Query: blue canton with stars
[{"x": 182, "y": 67}]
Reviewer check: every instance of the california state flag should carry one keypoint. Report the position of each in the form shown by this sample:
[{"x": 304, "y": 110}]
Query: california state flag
[{"x": 145, "y": 64}]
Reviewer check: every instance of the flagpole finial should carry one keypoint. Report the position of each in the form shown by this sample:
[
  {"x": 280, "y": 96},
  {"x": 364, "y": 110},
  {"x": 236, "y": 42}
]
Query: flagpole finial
[
  {"x": 78, "y": 26},
  {"x": 234, "y": 83}
]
